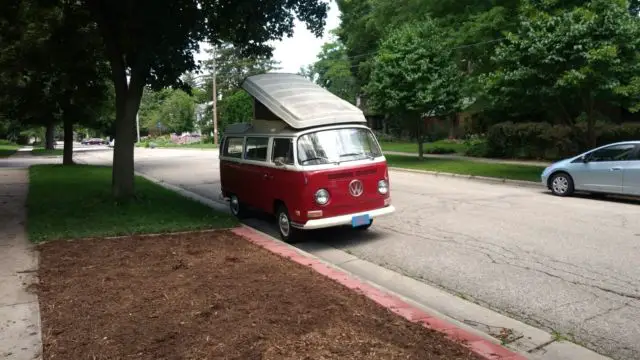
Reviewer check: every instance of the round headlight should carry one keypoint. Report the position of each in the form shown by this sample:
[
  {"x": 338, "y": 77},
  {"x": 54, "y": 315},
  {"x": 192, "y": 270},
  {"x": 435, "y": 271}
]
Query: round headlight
[
  {"x": 322, "y": 197},
  {"x": 383, "y": 187}
]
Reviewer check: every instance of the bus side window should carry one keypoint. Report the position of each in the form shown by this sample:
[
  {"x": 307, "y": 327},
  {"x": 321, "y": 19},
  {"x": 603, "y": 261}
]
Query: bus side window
[{"x": 283, "y": 151}]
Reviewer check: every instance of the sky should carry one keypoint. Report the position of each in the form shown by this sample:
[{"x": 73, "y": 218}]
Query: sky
[{"x": 301, "y": 49}]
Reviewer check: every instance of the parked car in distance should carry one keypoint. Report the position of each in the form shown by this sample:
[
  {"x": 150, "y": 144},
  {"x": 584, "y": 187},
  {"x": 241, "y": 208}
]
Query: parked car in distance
[
  {"x": 609, "y": 169},
  {"x": 94, "y": 141}
]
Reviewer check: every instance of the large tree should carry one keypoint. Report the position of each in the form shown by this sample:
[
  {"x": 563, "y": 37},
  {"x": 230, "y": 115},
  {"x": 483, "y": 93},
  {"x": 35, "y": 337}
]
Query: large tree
[
  {"x": 332, "y": 71},
  {"x": 415, "y": 76},
  {"x": 569, "y": 62},
  {"x": 233, "y": 65},
  {"x": 51, "y": 70},
  {"x": 153, "y": 42}
]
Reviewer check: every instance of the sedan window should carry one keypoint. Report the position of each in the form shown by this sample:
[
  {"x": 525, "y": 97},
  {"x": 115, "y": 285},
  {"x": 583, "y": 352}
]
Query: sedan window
[{"x": 613, "y": 153}]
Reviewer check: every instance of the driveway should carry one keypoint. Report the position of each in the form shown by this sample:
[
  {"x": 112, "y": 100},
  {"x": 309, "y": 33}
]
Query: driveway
[{"x": 567, "y": 265}]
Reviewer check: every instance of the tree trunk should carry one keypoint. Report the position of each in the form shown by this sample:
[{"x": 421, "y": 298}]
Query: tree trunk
[
  {"x": 591, "y": 131},
  {"x": 67, "y": 152},
  {"x": 591, "y": 124},
  {"x": 49, "y": 138},
  {"x": 127, "y": 103},
  {"x": 455, "y": 126},
  {"x": 420, "y": 138}
]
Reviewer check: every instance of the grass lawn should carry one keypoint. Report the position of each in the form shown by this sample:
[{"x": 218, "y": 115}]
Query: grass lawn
[
  {"x": 8, "y": 149},
  {"x": 46, "y": 152},
  {"x": 503, "y": 171},
  {"x": 409, "y": 147},
  {"x": 67, "y": 202}
]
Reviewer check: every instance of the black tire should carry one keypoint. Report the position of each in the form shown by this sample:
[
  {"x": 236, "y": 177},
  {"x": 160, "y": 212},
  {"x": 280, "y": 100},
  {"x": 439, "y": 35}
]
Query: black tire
[
  {"x": 236, "y": 207},
  {"x": 288, "y": 233},
  {"x": 561, "y": 184},
  {"x": 365, "y": 227}
]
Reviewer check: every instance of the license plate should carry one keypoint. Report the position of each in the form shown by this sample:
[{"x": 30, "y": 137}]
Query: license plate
[{"x": 360, "y": 220}]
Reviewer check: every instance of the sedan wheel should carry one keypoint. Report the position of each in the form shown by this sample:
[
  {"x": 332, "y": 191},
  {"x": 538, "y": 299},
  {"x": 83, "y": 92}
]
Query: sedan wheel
[{"x": 562, "y": 184}]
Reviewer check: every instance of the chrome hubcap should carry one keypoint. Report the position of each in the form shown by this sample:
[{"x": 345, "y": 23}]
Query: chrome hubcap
[
  {"x": 283, "y": 222},
  {"x": 560, "y": 184},
  {"x": 235, "y": 205}
]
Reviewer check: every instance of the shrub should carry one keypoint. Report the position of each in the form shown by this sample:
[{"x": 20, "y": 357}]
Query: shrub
[
  {"x": 476, "y": 146},
  {"x": 536, "y": 140},
  {"x": 440, "y": 150}
]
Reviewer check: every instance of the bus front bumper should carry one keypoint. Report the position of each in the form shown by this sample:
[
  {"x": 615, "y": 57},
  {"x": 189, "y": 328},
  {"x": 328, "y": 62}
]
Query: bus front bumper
[{"x": 343, "y": 219}]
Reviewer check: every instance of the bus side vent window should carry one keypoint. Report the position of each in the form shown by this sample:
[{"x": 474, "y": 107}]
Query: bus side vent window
[{"x": 233, "y": 147}]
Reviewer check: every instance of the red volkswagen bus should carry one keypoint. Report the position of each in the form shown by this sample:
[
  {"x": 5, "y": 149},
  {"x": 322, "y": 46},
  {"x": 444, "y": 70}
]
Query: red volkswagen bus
[{"x": 307, "y": 157}]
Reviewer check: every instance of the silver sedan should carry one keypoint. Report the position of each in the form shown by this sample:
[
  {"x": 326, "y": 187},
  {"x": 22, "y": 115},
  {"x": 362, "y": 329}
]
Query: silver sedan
[{"x": 609, "y": 169}]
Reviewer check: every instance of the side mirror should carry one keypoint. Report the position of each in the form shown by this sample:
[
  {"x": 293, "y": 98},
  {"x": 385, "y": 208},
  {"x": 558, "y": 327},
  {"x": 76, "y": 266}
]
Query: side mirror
[{"x": 585, "y": 158}]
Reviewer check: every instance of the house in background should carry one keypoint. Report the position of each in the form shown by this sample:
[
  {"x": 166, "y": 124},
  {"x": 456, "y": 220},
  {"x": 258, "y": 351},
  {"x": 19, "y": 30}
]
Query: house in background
[{"x": 201, "y": 111}]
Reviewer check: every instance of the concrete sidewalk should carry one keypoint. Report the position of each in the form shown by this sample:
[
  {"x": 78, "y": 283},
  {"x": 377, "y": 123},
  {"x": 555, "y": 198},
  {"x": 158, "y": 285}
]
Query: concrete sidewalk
[
  {"x": 474, "y": 159},
  {"x": 20, "y": 331}
]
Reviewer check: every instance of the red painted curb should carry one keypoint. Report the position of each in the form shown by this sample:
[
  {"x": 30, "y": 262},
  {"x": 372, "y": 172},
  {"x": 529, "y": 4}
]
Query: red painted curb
[{"x": 475, "y": 343}]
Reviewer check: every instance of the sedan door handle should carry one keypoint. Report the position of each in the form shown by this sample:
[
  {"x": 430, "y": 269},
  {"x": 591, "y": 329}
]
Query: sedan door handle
[{"x": 615, "y": 169}]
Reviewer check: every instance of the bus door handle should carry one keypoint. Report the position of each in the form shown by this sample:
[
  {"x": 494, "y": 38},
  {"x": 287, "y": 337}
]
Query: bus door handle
[{"x": 267, "y": 176}]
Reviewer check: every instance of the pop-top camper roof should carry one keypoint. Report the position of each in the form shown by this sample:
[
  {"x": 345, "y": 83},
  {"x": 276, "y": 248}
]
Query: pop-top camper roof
[{"x": 299, "y": 102}]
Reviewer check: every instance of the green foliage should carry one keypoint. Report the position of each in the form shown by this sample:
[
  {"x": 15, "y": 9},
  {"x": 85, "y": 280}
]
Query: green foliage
[
  {"x": 476, "y": 146},
  {"x": 436, "y": 147},
  {"x": 234, "y": 108},
  {"x": 232, "y": 67},
  {"x": 535, "y": 140},
  {"x": 51, "y": 66},
  {"x": 415, "y": 73},
  {"x": 82, "y": 206},
  {"x": 333, "y": 71},
  {"x": 567, "y": 62},
  {"x": 177, "y": 112},
  {"x": 530, "y": 140},
  {"x": 173, "y": 109}
]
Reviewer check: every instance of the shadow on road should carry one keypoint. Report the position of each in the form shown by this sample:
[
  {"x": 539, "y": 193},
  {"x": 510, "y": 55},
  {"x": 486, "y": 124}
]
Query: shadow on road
[
  {"x": 338, "y": 237},
  {"x": 619, "y": 199}
]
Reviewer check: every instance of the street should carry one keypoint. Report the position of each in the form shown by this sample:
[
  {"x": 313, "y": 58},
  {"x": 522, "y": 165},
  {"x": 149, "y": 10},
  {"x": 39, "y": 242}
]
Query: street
[{"x": 566, "y": 265}]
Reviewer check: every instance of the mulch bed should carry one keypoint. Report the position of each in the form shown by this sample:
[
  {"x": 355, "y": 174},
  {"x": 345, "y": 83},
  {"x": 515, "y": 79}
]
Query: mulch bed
[{"x": 211, "y": 295}]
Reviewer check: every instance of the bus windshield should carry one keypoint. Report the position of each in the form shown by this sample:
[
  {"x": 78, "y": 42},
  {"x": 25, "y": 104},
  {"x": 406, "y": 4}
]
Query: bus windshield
[{"x": 336, "y": 146}]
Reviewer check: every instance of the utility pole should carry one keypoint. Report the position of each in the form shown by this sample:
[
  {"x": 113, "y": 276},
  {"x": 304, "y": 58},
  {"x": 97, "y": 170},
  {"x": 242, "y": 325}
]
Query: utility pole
[
  {"x": 215, "y": 100},
  {"x": 138, "y": 125}
]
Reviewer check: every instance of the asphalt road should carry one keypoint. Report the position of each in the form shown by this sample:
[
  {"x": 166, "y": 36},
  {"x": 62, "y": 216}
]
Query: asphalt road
[{"x": 565, "y": 265}]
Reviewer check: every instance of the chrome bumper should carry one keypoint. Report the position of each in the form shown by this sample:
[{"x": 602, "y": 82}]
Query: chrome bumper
[{"x": 342, "y": 219}]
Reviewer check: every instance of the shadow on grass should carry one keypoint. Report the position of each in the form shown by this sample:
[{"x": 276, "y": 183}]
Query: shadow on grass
[{"x": 70, "y": 202}]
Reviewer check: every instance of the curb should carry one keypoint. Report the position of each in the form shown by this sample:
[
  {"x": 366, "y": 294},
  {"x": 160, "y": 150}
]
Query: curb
[
  {"x": 522, "y": 183},
  {"x": 477, "y": 344}
]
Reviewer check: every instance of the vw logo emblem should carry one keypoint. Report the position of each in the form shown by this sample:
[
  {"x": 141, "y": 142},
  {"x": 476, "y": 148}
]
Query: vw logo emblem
[{"x": 356, "y": 188}]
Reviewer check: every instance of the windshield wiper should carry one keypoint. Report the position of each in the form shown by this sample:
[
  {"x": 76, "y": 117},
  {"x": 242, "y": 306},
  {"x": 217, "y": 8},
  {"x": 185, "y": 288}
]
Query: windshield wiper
[{"x": 314, "y": 158}]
